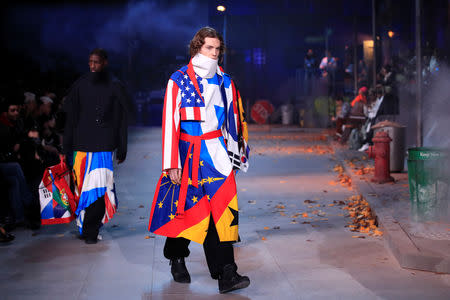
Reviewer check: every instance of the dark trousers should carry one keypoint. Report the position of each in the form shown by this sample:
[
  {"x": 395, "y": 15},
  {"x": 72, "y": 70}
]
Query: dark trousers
[
  {"x": 93, "y": 218},
  {"x": 218, "y": 254}
]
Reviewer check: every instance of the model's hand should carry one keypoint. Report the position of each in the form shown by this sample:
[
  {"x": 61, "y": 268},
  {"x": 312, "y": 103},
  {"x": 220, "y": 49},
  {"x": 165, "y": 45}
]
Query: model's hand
[{"x": 175, "y": 175}]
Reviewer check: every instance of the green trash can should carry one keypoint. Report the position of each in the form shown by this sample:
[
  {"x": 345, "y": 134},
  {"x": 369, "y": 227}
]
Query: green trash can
[{"x": 428, "y": 174}]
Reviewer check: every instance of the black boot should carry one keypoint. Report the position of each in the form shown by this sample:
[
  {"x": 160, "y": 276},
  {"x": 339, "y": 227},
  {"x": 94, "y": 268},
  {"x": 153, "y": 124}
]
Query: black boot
[
  {"x": 230, "y": 280},
  {"x": 179, "y": 271}
]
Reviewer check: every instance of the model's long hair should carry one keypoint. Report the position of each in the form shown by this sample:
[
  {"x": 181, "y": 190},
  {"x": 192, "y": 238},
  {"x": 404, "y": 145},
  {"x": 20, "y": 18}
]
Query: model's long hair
[{"x": 199, "y": 40}]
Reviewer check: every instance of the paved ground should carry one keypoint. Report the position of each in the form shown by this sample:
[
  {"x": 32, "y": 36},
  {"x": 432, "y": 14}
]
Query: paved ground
[
  {"x": 420, "y": 238},
  {"x": 285, "y": 254}
]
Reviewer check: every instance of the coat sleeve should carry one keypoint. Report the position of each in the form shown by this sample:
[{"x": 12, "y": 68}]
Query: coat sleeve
[
  {"x": 125, "y": 116},
  {"x": 171, "y": 127}
]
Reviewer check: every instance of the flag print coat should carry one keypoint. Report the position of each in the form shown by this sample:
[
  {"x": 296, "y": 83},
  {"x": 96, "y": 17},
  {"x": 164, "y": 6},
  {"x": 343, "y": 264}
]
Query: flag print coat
[{"x": 200, "y": 136}]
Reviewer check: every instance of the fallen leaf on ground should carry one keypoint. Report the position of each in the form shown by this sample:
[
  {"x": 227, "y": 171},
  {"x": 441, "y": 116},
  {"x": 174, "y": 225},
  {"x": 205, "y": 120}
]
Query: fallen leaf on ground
[
  {"x": 252, "y": 201},
  {"x": 276, "y": 227},
  {"x": 309, "y": 201},
  {"x": 305, "y": 222},
  {"x": 358, "y": 237},
  {"x": 149, "y": 237},
  {"x": 294, "y": 222},
  {"x": 263, "y": 238},
  {"x": 331, "y": 204},
  {"x": 266, "y": 228},
  {"x": 141, "y": 206},
  {"x": 377, "y": 232},
  {"x": 305, "y": 215}
]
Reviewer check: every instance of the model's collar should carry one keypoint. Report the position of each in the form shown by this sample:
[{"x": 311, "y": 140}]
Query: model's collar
[{"x": 204, "y": 66}]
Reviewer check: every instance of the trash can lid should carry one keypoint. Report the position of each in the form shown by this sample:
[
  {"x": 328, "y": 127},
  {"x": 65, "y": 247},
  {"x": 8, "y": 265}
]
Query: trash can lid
[
  {"x": 426, "y": 153},
  {"x": 387, "y": 124}
]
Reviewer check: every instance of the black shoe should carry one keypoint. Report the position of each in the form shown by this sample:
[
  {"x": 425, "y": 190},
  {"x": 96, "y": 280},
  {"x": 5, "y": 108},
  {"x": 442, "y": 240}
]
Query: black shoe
[
  {"x": 90, "y": 241},
  {"x": 230, "y": 280},
  {"x": 5, "y": 237},
  {"x": 179, "y": 271}
]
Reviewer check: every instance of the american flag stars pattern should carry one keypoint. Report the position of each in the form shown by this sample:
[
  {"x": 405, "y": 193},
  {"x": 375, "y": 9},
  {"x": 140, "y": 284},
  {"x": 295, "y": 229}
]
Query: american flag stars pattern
[{"x": 189, "y": 95}]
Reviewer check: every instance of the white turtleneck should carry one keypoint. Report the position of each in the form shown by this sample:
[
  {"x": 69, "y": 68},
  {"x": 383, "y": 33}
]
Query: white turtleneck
[{"x": 204, "y": 66}]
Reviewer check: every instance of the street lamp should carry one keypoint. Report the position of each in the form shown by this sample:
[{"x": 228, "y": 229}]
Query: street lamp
[
  {"x": 391, "y": 34},
  {"x": 222, "y": 8}
]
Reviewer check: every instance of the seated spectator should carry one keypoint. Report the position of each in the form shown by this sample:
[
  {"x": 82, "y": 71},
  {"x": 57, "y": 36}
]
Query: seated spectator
[
  {"x": 29, "y": 110},
  {"x": 357, "y": 114},
  {"x": 19, "y": 195},
  {"x": 342, "y": 114},
  {"x": 11, "y": 128},
  {"x": 44, "y": 110},
  {"x": 361, "y": 97},
  {"x": 373, "y": 112}
]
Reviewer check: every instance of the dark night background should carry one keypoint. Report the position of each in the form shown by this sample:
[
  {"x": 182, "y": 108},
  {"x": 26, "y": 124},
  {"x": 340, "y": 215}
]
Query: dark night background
[{"x": 45, "y": 44}]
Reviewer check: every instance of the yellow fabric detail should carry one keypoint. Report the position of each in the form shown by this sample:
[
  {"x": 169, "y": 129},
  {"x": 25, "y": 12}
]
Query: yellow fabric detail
[
  {"x": 242, "y": 119},
  {"x": 196, "y": 233},
  {"x": 226, "y": 232}
]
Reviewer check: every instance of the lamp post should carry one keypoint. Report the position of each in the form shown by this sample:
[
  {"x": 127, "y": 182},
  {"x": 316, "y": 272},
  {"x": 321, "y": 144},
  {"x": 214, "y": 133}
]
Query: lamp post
[{"x": 222, "y": 8}]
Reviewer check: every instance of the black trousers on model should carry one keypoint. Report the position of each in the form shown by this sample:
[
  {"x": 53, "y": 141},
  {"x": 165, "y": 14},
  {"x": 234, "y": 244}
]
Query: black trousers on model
[
  {"x": 93, "y": 218},
  {"x": 218, "y": 254}
]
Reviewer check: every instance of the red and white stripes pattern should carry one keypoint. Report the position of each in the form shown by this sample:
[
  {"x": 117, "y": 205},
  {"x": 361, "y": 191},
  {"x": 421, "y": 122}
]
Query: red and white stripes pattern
[
  {"x": 171, "y": 127},
  {"x": 193, "y": 113}
]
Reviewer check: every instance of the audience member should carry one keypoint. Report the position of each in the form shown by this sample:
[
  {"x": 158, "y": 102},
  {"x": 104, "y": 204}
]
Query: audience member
[{"x": 342, "y": 114}]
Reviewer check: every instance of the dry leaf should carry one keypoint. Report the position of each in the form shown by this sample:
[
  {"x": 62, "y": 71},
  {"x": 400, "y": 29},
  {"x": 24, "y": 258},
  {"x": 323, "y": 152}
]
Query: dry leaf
[
  {"x": 358, "y": 237},
  {"x": 377, "y": 232},
  {"x": 266, "y": 228},
  {"x": 305, "y": 215},
  {"x": 263, "y": 238}
]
